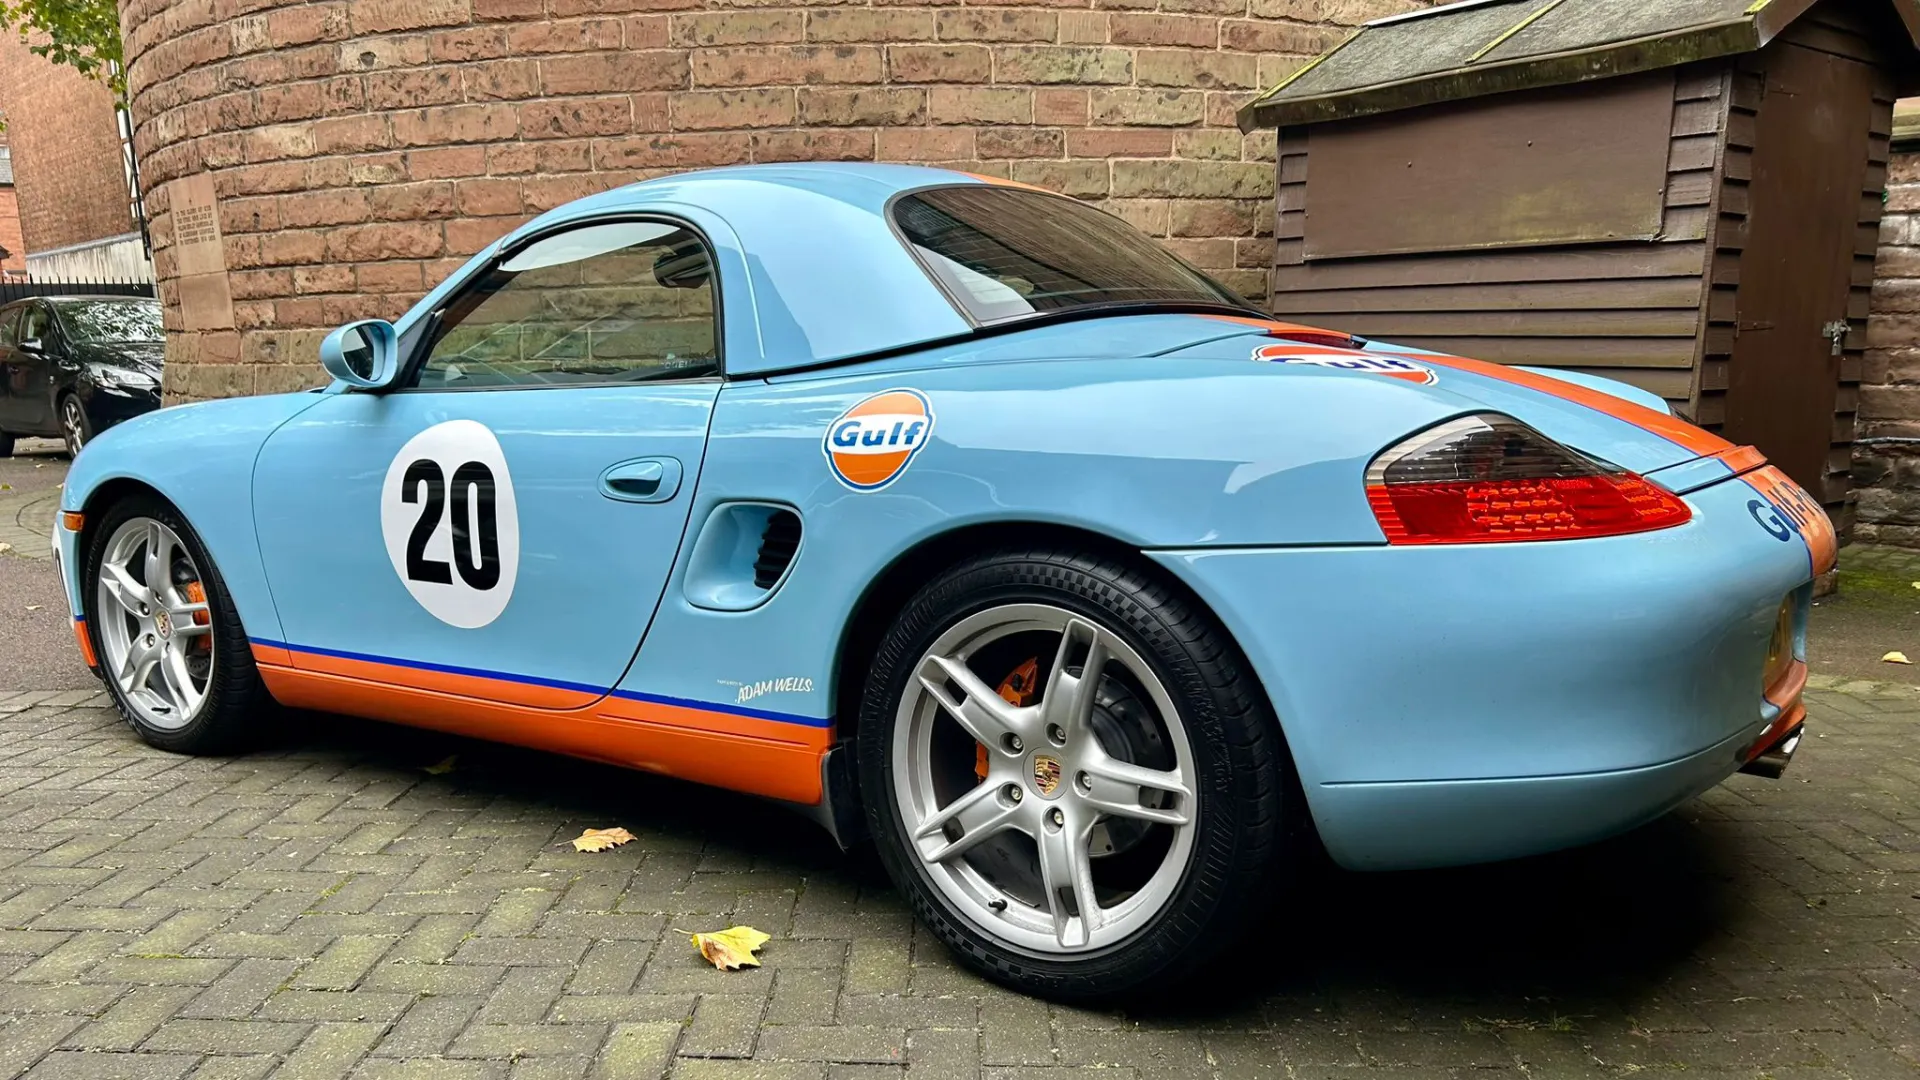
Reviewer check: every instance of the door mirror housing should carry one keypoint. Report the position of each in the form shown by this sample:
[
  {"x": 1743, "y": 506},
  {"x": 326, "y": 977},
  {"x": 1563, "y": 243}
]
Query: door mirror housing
[
  {"x": 364, "y": 354},
  {"x": 33, "y": 345}
]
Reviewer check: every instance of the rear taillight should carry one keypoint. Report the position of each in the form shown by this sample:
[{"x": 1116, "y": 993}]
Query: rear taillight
[{"x": 1491, "y": 479}]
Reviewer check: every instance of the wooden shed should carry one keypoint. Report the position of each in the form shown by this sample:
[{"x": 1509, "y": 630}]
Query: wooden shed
[{"x": 1681, "y": 194}]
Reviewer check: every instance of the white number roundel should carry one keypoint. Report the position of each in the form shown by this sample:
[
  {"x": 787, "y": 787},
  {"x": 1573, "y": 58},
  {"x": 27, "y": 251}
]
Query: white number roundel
[{"x": 451, "y": 526}]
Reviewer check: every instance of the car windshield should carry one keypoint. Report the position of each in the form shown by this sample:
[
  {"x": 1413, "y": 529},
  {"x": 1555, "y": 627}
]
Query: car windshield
[
  {"x": 111, "y": 320},
  {"x": 1008, "y": 253}
]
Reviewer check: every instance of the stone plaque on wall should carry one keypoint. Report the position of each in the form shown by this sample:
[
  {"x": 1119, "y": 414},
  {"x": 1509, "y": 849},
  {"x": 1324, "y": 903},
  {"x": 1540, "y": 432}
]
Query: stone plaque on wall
[{"x": 206, "y": 302}]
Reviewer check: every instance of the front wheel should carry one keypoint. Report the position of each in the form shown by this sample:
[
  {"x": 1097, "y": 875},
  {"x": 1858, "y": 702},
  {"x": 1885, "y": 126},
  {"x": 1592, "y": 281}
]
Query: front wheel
[
  {"x": 75, "y": 428},
  {"x": 171, "y": 648},
  {"x": 1070, "y": 774}
]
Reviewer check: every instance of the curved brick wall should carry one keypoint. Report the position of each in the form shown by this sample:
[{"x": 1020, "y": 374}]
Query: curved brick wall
[{"x": 359, "y": 149}]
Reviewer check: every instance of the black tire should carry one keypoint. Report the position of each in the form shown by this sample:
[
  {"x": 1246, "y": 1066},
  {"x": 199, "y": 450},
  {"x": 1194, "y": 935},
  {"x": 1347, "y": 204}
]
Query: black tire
[
  {"x": 85, "y": 422},
  {"x": 1243, "y": 769},
  {"x": 6, "y": 444},
  {"x": 237, "y": 706}
]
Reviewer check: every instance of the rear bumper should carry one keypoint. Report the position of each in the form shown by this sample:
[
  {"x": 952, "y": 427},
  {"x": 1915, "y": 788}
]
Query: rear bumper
[
  {"x": 1380, "y": 826},
  {"x": 1448, "y": 705}
]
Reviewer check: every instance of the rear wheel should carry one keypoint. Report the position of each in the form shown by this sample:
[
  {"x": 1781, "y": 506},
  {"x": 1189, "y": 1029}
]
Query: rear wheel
[
  {"x": 1069, "y": 774},
  {"x": 6, "y": 444},
  {"x": 171, "y": 648}
]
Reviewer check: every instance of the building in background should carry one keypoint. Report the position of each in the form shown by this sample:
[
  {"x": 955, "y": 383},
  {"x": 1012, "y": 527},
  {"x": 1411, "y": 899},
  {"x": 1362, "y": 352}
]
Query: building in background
[
  {"x": 13, "y": 248},
  {"x": 1886, "y": 456},
  {"x": 336, "y": 159},
  {"x": 76, "y": 209},
  {"x": 1543, "y": 186}
]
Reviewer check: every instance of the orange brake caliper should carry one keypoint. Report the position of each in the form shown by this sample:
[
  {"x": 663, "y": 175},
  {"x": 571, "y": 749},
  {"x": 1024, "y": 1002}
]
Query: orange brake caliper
[
  {"x": 198, "y": 594},
  {"x": 1017, "y": 688}
]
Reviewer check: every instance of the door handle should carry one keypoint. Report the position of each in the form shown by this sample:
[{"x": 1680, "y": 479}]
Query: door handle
[{"x": 655, "y": 479}]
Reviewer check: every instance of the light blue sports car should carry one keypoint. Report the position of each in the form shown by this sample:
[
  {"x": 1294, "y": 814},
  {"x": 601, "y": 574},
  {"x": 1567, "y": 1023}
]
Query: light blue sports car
[{"x": 965, "y": 517}]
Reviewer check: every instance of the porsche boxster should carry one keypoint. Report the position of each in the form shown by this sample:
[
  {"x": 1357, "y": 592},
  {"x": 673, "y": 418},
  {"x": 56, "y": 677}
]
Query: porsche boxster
[{"x": 969, "y": 520}]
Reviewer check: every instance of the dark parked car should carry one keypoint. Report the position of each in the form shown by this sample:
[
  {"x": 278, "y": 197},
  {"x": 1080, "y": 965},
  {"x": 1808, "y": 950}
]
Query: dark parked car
[{"x": 73, "y": 366}]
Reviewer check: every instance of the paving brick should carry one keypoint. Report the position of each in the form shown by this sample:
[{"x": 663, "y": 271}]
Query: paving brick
[
  {"x": 637, "y": 1052},
  {"x": 724, "y": 1025},
  {"x": 718, "y": 1069}
]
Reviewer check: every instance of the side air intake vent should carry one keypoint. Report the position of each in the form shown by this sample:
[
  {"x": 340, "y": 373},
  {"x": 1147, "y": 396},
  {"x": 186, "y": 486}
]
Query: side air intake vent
[{"x": 778, "y": 545}]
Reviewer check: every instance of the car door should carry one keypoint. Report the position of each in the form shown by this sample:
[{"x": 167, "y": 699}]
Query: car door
[
  {"x": 502, "y": 523},
  {"x": 11, "y": 397},
  {"x": 33, "y": 358}
]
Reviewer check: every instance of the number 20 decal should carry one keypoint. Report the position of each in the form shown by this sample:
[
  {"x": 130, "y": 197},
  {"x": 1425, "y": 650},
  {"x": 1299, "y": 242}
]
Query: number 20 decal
[
  {"x": 474, "y": 477},
  {"x": 451, "y": 526}
]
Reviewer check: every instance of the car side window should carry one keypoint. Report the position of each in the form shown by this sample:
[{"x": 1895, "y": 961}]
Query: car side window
[
  {"x": 9, "y": 321},
  {"x": 34, "y": 323},
  {"x": 617, "y": 302}
]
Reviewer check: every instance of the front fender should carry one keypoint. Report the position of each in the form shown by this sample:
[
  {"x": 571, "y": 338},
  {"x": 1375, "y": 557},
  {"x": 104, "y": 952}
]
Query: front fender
[{"x": 199, "y": 458}]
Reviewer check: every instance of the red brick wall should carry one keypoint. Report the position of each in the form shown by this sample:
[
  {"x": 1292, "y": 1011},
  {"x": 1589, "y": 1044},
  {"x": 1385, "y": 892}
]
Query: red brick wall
[
  {"x": 1886, "y": 457},
  {"x": 66, "y": 151},
  {"x": 361, "y": 148},
  {"x": 10, "y": 238}
]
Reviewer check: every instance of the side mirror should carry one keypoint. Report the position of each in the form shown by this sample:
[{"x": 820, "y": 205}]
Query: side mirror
[
  {"x": 33, "y": 345},
  {"x": 365, "y": 354}
]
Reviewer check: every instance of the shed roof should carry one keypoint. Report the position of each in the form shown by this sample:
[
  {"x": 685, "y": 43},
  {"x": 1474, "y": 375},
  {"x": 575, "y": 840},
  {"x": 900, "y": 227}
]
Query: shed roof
[{"x": 1478, "y": 47}]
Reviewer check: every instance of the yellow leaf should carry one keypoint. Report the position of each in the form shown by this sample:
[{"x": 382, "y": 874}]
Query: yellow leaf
[
  {"x": 1895, "y": 658},
  {"x": 731, "y": 948},
  {"x": 443, "y": 766},
  {"x": 601, "y": 839}
]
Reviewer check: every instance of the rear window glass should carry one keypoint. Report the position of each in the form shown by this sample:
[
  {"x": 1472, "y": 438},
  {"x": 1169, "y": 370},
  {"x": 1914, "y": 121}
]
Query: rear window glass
[{"x": 1006, "y": 253}]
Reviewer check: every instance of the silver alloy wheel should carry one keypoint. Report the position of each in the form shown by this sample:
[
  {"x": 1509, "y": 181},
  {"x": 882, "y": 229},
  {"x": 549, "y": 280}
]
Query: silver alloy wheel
[
  {"x": 1016, "y": 852},
  {"x": 73, "y": 422},
  {"x": 151, "y": 629}
]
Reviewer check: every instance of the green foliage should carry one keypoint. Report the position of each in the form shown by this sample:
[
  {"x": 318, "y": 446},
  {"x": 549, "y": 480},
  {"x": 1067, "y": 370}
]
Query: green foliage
[{"x": 82, "y": 34}]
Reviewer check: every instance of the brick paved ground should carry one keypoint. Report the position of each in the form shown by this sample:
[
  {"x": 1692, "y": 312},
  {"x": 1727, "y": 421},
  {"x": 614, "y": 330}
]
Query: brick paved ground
[
  {"x": 327, "y": 908},
  {"x": 30, "y": 495}
]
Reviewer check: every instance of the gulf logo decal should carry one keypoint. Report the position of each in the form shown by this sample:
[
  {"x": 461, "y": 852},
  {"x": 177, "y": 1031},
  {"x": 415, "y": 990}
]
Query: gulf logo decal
[
  {"x": 871, "y": 444},
  {"x": 1393, "y": 367},
  {"x": 1790, "y": 511}
]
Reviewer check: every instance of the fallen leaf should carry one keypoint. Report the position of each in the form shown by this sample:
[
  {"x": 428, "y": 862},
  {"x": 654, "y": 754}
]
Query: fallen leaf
[
  {"x": 601, "y": 839},
  {"x": 1895, "y": 657},
  {"x": 4, "y": 548},
  {"x": 442, "y": 767},
  {"x": 731, "y": 948},
  {"x": 34, "y": 607}
]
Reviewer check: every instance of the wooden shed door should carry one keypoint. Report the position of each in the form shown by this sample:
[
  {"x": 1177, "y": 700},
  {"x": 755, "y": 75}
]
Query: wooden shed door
[{"x": 1809, "y": 165}]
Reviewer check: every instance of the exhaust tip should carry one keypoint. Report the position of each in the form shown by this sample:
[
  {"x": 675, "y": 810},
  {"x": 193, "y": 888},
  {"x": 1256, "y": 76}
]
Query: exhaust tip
[{"x": 1772, "y": 762}]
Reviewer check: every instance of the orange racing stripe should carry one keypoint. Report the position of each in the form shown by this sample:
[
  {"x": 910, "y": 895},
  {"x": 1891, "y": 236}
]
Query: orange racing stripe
[
  {"x": 755, "y": 754},
  {"x": 1671, "y": 428},
  {"x": 504, "y": 691},
  {"x": 86, "y": 642}
]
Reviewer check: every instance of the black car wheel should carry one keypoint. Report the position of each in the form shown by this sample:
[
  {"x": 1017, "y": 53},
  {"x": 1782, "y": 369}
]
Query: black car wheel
[
  {"x": 74, "y": 425},
  {"x": 6, "y": 444},
  {"x": 1071, "y": 774}
]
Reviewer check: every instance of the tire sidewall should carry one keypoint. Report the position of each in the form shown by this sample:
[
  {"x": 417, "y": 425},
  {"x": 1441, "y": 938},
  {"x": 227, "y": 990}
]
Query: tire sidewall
[
  {"x": 1175, "y": 932},
  {"x": 86, "y": 425},
  {"x": 233, "y": 673}
]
